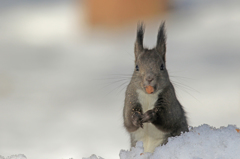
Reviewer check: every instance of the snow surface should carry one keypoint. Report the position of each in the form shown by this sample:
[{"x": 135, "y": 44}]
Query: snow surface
[
  {"x": 202, "y": 142},
  {"x": 20, "y": 156}
]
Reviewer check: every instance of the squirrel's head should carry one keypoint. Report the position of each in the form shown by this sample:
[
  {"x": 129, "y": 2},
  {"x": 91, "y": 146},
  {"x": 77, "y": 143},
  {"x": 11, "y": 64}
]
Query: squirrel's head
[{"x": 150, "y": 64}]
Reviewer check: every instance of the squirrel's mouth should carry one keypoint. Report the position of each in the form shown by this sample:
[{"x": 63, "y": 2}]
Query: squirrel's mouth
[{"x": 149, "y": 89}]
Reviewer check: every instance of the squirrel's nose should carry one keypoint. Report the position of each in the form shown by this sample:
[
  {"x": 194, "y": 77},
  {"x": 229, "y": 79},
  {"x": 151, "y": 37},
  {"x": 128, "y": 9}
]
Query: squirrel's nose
[{"x": 149, "y": 79}]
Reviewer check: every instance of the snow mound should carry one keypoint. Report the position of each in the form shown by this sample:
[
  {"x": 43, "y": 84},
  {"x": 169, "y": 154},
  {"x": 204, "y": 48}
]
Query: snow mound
[
  {"x": 203, "y": 142},
  {"x": 93, "y": 157},
  {"x": 20, "y": 156}
]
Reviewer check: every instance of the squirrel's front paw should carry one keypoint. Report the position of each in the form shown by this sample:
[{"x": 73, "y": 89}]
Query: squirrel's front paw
[
  {"x": 137, "y": 119},
  {"x": 151, "y": 115}
]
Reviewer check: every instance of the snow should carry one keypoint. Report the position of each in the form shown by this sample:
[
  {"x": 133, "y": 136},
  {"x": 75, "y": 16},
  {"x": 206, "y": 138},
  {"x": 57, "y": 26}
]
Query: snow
[
  {"x": 202, "y": 142},
  {"x": 20, "y": 156},
  {"x": 93, "y": 157}
]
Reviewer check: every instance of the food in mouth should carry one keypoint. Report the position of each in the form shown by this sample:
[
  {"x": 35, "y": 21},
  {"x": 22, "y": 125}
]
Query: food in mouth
[{"x": 149, "y": 89}]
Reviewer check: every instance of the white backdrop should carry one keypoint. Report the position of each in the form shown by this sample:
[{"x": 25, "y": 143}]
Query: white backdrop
[{"x": 62, "y": 88}]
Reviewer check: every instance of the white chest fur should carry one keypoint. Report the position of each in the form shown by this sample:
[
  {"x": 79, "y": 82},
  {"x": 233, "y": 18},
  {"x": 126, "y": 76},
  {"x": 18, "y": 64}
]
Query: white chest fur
[{"x": 149, "y": 135}]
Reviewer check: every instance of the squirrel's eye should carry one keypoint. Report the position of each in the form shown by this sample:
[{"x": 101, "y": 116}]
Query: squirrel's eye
[
  {"x": 137, "y": 68},
  {"x": 162, "y": 67}
]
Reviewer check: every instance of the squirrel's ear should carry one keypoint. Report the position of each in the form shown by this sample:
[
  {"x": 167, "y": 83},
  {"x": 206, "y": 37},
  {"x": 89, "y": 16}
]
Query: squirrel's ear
[
  {"x": 139, "y": 41},
  {"x": 161, "y": 41}
]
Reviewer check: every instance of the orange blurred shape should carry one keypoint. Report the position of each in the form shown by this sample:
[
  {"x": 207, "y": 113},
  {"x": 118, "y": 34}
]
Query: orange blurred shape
[{"x": 118, "y": 12}]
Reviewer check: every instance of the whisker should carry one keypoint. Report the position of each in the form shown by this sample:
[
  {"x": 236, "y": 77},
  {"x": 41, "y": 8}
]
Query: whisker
[
  {"x": 121, "y": 75},
  {"x": 122, "y": 88},
  {"x": 186, "y": 78},
  {"x": 110, "y": 83},
  {"x": 188, "y": 93},
  {"x": 113, "y": 78},
  {"x": 115, "y": 88},
  {"x": 184, "y": 89},
  {"x": 185, "y": 86}
]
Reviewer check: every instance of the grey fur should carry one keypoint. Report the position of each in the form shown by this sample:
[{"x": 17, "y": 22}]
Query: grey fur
[{"x": 168, "y": 114}]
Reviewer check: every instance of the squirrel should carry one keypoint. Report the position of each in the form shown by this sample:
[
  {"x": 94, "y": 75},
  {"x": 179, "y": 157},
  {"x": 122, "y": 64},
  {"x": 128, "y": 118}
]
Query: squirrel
[{"x": 152, "y": 112}]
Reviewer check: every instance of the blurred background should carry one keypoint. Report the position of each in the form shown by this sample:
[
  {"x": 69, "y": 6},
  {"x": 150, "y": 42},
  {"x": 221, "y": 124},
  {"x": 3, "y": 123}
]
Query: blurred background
[{"x": 65, "y": 65}]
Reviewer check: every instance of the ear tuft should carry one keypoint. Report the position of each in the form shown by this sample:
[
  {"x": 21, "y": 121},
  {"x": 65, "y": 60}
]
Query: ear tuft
[
  {"x": 139, "y": 40},
  {"x": 161, "y": 41}
]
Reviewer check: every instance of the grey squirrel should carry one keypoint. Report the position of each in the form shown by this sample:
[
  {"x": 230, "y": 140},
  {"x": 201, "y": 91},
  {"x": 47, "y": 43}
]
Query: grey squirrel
[{"x": 151, "y": 111}]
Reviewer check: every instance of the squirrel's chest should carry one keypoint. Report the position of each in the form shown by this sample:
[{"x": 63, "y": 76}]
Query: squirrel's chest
[
  {"x": 147, "y": 101},
  {"x": 149, "y": 135}
]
